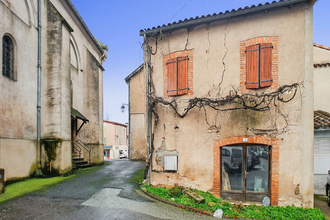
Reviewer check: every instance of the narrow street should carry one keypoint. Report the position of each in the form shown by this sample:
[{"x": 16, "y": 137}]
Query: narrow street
[{"x": 103, "y": 192}]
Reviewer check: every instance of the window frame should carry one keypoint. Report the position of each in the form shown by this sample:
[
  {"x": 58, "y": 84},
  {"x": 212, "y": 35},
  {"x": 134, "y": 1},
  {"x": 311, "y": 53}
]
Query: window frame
[
  {"x": 11, "y": 73},
  {"x": 273, "y": 40}
]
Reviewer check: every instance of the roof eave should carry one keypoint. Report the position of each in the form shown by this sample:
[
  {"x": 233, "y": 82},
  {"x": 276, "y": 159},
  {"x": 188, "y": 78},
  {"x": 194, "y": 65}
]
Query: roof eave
[
  {"x": 219, "y": 17},
  {"x": 82, "y": 22},
  {"x": 128, "y": 78}
]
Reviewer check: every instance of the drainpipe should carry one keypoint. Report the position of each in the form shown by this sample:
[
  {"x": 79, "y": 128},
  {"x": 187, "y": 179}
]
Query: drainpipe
[
  {"x": 129, "y": 121},
  {"x": 39, "y": 82},
  {"x": 147, "y": 93}
]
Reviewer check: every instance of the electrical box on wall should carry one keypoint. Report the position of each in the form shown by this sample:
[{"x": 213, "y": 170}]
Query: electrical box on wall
[{"x": 171, "y": 162}]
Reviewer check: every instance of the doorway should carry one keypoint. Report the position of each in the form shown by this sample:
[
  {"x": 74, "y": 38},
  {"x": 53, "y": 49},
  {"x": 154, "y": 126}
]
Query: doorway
[{"x": 245, "y": 172}]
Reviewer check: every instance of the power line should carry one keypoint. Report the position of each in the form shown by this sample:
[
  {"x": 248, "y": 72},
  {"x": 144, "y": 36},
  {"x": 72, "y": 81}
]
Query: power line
[{"x": 179, "y": 10}]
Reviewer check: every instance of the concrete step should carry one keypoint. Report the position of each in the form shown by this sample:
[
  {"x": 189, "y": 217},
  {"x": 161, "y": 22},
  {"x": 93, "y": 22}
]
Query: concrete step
[{"x": 83, "y": 165}]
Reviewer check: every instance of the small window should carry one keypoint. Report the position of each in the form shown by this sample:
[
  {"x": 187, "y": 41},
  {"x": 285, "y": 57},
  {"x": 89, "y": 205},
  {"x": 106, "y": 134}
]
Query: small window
[
  {"x": 8, "y": 57},
  {"x": 259, "y": 66},
  {"x": 177, "y": 76}
]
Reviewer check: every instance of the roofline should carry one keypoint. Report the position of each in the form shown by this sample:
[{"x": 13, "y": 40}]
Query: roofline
[
  {"x": 89, "y": 33},
  {"x": 221, "y": 16},
  {"x": 128, "y": 78},
  {"x": 321, "y": 46},
  {"x": 115, "y": 123},
  {"x": 321, "y": 65}
]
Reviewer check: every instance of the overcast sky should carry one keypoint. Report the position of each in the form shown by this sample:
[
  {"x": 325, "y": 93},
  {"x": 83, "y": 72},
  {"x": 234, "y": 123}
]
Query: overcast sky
[{"x": 117, "y": 23}]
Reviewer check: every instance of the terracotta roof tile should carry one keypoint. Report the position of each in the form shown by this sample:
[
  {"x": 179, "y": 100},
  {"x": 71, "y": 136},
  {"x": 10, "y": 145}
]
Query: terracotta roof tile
[
  {"x": 321, "y": 46},
  {"x": 221, "y": 15},
  {"x": 321, "y": 120},
  {"x": 321, "y": 64}
]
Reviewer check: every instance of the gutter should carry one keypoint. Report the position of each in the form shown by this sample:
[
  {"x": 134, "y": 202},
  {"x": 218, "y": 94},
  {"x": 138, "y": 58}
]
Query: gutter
[{"x": 221, "y": 16}]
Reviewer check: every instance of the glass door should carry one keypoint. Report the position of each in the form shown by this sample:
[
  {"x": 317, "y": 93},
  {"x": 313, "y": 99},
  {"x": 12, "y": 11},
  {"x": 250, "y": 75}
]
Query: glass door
[{"x": 245, "y": 172}]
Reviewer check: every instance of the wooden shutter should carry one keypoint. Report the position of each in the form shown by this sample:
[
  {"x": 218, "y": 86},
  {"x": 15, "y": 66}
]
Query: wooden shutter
[
  {"x": 171, "y": 77},
  {"x": 182, "y": 75},
  {"x": 252, "y": 65},
  {"x": 266, "y": 65}
]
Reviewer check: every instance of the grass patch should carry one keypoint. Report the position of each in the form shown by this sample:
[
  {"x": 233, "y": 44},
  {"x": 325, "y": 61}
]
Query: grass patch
[
  {"x": 20, "y": 188},
  {"x": 213, "y": 203},
  {"x": 138, "y": 176}
]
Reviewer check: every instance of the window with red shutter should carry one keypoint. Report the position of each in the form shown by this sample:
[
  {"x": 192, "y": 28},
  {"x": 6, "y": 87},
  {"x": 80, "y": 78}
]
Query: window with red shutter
[
  {"x": 177, "y": 76},
  {"x": 259, "y": 66}
]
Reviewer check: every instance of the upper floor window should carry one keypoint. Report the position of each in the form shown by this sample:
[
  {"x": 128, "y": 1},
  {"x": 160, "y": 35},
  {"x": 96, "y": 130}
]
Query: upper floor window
[
  {"x": 8, "y": 58},
  {"x": 259, "y": 66},
  {"x": 178, "y": 73},
  {"x": 259, "y": 63}
]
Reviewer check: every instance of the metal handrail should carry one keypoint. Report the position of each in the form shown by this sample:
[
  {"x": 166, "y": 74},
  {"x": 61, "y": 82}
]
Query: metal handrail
[
  {"x": 77, "y": 148},
  {"x": 86, "y": 148}
]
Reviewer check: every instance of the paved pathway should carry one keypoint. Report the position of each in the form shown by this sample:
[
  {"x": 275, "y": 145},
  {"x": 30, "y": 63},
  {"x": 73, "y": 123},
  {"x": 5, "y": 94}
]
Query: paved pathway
[{"x": 103, "y": 192}]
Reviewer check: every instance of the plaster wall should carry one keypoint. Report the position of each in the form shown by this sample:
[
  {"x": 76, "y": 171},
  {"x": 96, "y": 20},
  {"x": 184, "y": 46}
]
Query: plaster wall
[
  {"x": 114, "y": 134},
  {"x": 216, "y": 71},
  {"x": 321, "y": 55},
  {"x": 18, "y": 157},
  {"x": 138, "y": 117},
  {"x": 321, "y": 79},
  {"x": 18, "y": 98}
]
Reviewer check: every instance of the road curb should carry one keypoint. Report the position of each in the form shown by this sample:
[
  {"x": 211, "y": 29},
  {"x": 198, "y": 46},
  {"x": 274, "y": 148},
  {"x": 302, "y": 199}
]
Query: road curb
[{"x": 178, "y": 205}]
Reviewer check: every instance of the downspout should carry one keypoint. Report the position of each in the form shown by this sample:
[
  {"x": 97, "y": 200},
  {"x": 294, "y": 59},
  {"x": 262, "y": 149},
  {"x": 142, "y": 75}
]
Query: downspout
[
  {"x": 39, "y": 83},
  {"x": 129, "y": 121},
  {"x": 147, "y": 107}
]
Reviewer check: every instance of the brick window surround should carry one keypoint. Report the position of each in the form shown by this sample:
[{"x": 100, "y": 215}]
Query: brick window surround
[
  {"x": 166, "y": 58},
  {"x": 274, "y": 165},
  {"x": 274, "y": 70}
]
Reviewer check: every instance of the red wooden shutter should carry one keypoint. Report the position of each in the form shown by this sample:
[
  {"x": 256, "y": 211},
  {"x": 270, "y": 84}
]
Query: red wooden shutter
[
  {"x": 252, "y": 63},
  {"x": 182, "y": 75},
  {"x": 266, "y": 65},
  {"x": 171, "y": 77}
]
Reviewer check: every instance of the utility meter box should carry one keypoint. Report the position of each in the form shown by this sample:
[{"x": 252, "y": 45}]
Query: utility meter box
[{"x": 171, "y": 162}]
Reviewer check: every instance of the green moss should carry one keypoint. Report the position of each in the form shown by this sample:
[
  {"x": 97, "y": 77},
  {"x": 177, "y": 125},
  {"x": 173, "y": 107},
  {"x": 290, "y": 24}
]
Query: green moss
[
  {"x": 249, "y": 118},
  {"x": 50, "y": 146}
]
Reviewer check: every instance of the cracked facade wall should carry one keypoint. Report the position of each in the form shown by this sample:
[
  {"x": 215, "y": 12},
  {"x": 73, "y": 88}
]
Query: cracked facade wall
[{"x": 216, "y": 71}]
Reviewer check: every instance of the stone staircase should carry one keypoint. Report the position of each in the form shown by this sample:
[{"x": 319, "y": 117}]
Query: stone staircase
[{"x": 79, "y": 162}]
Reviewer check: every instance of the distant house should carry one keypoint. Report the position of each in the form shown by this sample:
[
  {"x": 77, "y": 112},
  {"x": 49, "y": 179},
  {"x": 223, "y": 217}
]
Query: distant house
[
  {"x": 321, "y": 117},
  {"x": 138, "y": 130},
  {"x": 71, "y": 98},
  {"x": 115, "y": 139},
  {"x": 230, "y": 103}
]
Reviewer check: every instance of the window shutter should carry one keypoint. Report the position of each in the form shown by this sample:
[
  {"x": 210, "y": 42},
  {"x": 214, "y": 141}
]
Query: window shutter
[
  {"x": 266, "y": 65},
  {"x": 182, "y": 75},
  {"x": 171, "y": 77},
  {"x": 252, "y": 63}
]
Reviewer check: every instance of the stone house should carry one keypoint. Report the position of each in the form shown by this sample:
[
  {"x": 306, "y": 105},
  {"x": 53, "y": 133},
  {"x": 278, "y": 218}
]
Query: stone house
[
  {"x": 230, "y": 103},
  {"x": 51, "y": 88},
  {"x": 321, "y": 117},
  {"x": 136, "y": 82}
]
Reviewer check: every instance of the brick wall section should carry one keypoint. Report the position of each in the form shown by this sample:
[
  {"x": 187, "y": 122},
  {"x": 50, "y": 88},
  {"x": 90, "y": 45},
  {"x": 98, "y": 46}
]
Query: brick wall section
[
  {"x": 183, "y": 53},
  {"x": 258, "y": 40},
  {"x": 274, "y": 157}
]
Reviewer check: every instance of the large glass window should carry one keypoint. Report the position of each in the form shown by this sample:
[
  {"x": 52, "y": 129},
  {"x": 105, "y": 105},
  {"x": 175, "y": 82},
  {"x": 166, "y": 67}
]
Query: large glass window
[{"x": 245, "y": 172}]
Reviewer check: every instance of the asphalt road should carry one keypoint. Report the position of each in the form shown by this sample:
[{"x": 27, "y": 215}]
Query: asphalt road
[{"x": 102, "y": 192}]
